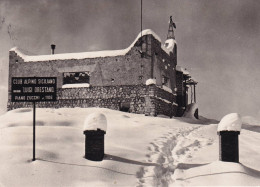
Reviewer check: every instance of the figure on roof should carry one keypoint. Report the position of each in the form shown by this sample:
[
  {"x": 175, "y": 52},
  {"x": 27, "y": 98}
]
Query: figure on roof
[{"x": 172, "y": 25}]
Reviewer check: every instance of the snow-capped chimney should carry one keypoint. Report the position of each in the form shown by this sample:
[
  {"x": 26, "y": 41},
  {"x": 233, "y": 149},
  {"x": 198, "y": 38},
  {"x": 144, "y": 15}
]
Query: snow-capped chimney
[
  {"x": 95, "y": 126},
  {"x": 228, "y": 130},
  {"x": 52, "y": 48}
]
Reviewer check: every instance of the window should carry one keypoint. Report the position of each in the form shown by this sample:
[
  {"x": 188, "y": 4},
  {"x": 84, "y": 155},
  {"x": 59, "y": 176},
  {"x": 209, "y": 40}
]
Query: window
[
  {"x": 165, "y": 80},
  {"x": 75, "y": 77},
  {"x": 124, "y": 107}
]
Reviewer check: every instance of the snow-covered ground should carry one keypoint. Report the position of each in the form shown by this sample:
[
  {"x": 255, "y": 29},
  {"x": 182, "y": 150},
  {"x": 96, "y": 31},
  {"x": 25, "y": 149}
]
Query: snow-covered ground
[{"x": 140, "y": 151}]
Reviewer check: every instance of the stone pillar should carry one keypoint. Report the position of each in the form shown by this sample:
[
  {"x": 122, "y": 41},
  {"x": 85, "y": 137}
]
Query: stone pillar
[
  {"x": 228, "y": 130},
  {"x": 150, "y": 108}
]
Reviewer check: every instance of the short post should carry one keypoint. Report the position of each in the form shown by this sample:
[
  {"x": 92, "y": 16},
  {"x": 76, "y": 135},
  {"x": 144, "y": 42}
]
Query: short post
[
  {"x": 228, "y": 130},
  {"x": 95, "y": 126}
]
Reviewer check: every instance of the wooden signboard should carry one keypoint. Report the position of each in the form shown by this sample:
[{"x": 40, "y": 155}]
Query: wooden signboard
[{"x": 34, "y": 89}]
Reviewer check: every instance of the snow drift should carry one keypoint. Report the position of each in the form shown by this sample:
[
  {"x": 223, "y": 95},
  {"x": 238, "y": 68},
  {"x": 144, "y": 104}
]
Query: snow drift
[
  {"x": 139, "y": 151},
  {"x": 191, "y": 110}
]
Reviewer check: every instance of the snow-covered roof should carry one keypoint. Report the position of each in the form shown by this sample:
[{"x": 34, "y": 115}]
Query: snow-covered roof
[
  {"x": 93, "y": 54},
  {"x": 230, "y": 122},
  {"x": 194, "y": 79},
  {"x": 191, "y": 80},
  {"x": 181, "y": 69},
  {"x": 167, "y": 89},
  {"x": 95, "y": 121}
]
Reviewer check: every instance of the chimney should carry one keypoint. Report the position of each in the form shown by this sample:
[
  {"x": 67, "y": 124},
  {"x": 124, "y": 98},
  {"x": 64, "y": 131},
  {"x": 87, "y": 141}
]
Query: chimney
[{"x": 52, "y": 48}]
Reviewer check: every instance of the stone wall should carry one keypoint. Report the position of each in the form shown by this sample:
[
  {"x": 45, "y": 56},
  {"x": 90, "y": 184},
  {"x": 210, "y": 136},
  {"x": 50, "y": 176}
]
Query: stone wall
[
  {"x": 117, "y": 82},
  {"x": 163, "y": 64},
  {"x": 123, "y": 70},
  {"x": 129, "y": 69},
  {"x": 159, "y": 101},
  {"x": 141, "y": 99}
]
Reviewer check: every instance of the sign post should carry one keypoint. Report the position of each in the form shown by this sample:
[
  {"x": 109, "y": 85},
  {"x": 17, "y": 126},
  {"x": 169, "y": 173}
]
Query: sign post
[
  {"x": 34, "y": 89},
  {"x": 34, "y": 115}
]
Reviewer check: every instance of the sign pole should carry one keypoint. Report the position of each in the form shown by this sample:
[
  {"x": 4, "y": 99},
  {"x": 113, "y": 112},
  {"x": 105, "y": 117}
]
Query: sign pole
[{"x": 33, "y": 131}]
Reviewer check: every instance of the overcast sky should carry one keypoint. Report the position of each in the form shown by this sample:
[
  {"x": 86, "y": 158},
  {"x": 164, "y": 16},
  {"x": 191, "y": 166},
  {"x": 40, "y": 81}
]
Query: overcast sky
[{"x": 218, "y": 40}]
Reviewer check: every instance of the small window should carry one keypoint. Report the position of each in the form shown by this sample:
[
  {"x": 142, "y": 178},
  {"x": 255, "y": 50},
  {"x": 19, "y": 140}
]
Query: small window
[
  {"x": 144, "y": 46},
  {"x": 124, "y": 107},
  {"x": 165, "y": 80},
  {"x": 75, "y": 77}
]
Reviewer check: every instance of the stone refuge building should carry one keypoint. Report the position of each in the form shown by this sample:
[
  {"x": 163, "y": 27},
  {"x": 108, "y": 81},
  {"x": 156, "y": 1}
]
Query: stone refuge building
[{"x": 143, "y": 78}]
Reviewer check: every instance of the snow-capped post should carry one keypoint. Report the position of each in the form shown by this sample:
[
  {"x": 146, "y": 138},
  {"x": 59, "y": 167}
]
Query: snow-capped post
[
  {"x": 150, "y": 107},
  {"x": 95, "y": 127},
  {"x": 228, "y": 130}
]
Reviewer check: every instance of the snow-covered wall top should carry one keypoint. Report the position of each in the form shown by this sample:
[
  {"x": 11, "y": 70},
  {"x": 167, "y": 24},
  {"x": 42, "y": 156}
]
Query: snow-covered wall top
[
  {"x": 184, "y": 71},
  {"x": 230, "y": 122},
  {"x": 169, "y": 44},
  {"x": 167, "y": 89},
  {"x": 150, "y": 81},
  {"x": 80, "y": 85},
  {"x": 94, "y": 54},
  {"x": 95, "y": 121}
]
